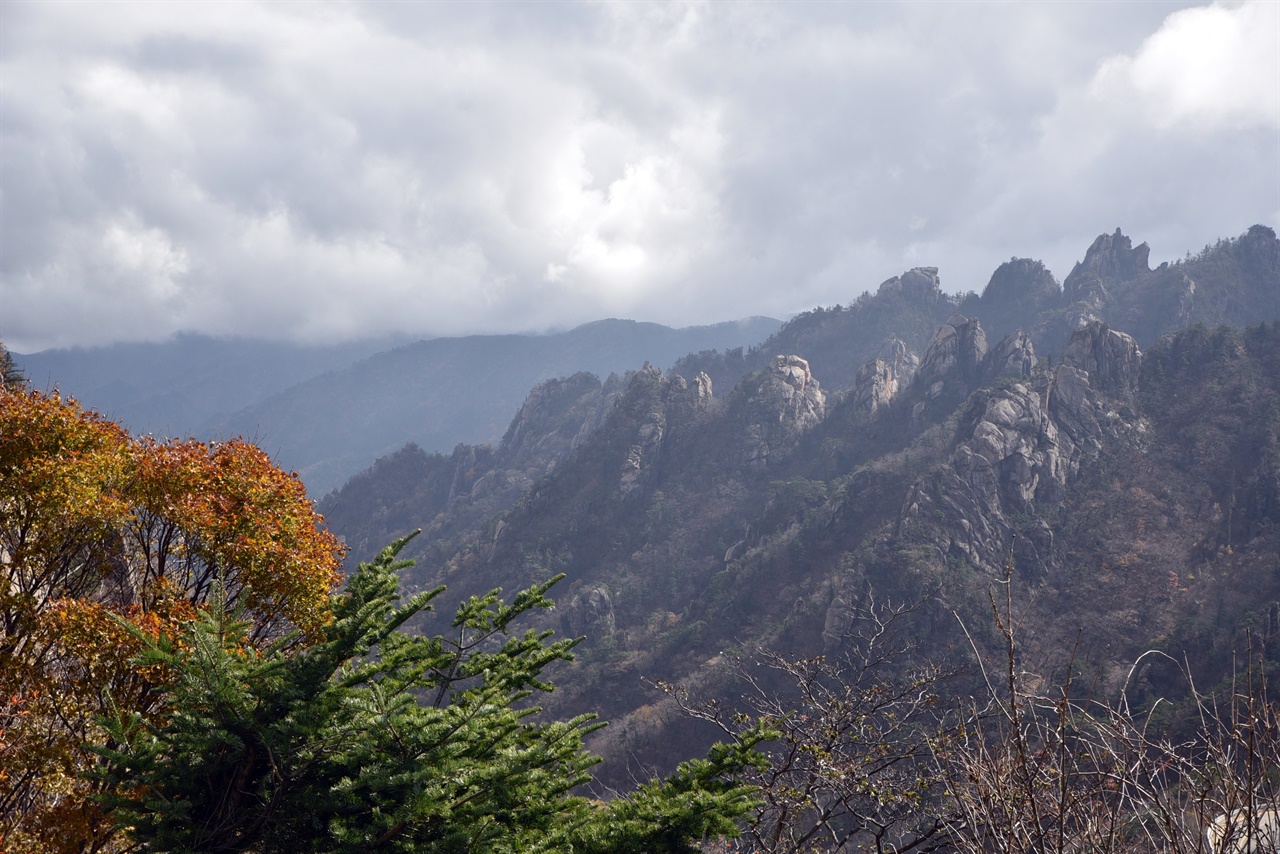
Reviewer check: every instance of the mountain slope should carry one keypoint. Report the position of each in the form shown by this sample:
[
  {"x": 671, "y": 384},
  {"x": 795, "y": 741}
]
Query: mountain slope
[{"x": 1138, "y": 484}]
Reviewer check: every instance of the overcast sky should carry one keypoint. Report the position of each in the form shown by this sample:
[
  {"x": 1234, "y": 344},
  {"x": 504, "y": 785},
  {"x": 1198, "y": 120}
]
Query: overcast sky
[{"x": 333, "y": 170}]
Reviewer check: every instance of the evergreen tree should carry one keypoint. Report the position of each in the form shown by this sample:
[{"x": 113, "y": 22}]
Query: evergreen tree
[
  {"x": 11, "y": 376},
  {"x": 374, "y": 739}
]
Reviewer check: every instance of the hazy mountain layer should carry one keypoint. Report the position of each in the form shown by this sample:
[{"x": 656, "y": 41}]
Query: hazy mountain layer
[
  {"x": 440, "y": 392},
  {"x": 173, "y": 388},
  {"x": 327, "y": 412}
]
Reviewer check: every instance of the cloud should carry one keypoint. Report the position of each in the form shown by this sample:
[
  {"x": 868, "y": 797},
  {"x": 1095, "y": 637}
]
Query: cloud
[
  {"x": 1211, "y": 68},
  {"x": 320, "y": 171}
]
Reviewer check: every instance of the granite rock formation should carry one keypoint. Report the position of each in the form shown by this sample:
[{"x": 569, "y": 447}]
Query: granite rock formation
[{"x": 780, "y": 402}]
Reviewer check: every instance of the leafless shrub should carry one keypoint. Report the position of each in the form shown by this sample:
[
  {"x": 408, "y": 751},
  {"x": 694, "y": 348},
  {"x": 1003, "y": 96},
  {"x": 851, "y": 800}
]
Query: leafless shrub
[
  {"x": 851, "y": 766},
  {"x": 1055, "y": 771}
]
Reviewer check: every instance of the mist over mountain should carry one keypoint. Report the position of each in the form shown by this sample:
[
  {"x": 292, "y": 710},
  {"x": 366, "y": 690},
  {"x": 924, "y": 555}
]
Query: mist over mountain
[
  {"x": 1136, "y": 477},
  {"x": 174, "y": 387}
]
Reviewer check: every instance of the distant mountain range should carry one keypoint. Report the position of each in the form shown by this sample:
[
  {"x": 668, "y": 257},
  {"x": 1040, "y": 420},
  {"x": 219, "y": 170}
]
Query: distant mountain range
[
  {"x": 328, "y": 412},
  {"x": 177, "y": 387}
]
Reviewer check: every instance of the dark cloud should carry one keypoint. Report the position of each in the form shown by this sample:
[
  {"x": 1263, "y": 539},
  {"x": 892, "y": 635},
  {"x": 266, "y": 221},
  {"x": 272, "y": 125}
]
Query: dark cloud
[{"x": 314, "y": 171}]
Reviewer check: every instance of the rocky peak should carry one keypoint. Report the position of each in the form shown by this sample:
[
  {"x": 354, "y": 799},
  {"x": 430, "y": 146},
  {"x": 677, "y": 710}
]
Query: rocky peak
[
  {"x": 794, "y": 371},
  {"x": 874, "y": 387},
  {"x": 1111, "y": 359},
  {"x": 879, "y": 380},
  {"x": 699, "y": 388},
  {"x": 1019, "y": 290},
  {"x": 919, "y": 284},
  {"x": 1111, "y": 257},
  {"x": 1023, "y": 445},
  {"x": 543, "y": 406},
  {"x": 1019, "y": 281},
  {"x": 650, "y": 429},
  {"x": 702, "y": 386},
  {"x": 782, "y": 401},
  {"x": 901, "y": 361}
]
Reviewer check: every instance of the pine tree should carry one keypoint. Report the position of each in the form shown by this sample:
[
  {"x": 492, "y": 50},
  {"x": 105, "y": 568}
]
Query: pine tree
[
  {"x": 375, "y": 739},
  {"x": 11, "y": 375}
]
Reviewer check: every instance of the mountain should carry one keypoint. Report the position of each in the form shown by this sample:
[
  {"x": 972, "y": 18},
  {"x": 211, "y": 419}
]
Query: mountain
[
  {"x": 1232, "y": 283},
  {"x": 443, "y": 391},
  {"x": 174, "y": 387},
  {"x": 327, "y": 412},
  {"x": 1134, "y": 478}
]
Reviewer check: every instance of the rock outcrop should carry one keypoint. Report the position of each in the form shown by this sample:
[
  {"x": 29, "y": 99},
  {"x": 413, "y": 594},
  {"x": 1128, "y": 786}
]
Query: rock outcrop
[
  {"x": 588, "y": 613},
  {"x": 880, "y": 380},
  {"x": 1110, "y": 358},
  {"x": 1112, "y": 257},
  {"x": 556, "y": 417},
  {"x": 956, "y": 351},
  {"x": 649, "y": 433},
  {"x": 1013, "y": 357},
  {"x": 875, "y": 386},
  {"x": 1022, "y": 447},
  {"x": 952, "y": 365},
  {"x": 919, "y": 284},
  {"x": 781, "y": 402},
  {"x": 901, "y": 361}
]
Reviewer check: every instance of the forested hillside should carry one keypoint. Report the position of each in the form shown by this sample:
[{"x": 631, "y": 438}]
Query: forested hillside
[{"x": 1120, "y": 435}]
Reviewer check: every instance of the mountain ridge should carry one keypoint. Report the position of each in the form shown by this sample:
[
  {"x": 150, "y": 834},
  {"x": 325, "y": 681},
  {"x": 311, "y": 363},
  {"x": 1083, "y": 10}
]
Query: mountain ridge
[
  {"x": 277, "y": 394},
  {"x": 696, "y": 518}
]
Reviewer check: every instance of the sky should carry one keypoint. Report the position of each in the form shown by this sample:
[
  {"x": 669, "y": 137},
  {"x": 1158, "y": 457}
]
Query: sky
[{"x": 318, "y": 172}]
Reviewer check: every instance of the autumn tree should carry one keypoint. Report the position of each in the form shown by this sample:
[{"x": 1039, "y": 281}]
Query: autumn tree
[
  {"x": 373, "y": 739},
  {"x": 97, "y": 527}
]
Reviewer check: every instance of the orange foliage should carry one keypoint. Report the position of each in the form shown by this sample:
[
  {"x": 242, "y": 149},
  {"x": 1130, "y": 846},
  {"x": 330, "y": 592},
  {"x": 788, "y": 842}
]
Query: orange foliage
[{"x": 97, "y": 528}]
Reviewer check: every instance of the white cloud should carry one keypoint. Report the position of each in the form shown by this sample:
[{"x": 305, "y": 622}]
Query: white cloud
[
  {"x": 329, "y": 170},
  {"x": 1212, "y": 67}
]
